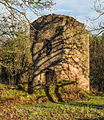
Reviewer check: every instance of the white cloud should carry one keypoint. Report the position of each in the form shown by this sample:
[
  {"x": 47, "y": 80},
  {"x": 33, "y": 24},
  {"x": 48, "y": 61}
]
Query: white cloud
[
  {"x": 75, "y": 4},
  {"x": 93, "y": 14},
  {"x": 3, "y": 11},
  {"x": 79, "y": 9},
  {"x": 76, "y": 8},
  {"x": 57, "y": 11},
  {"x": 60, "y": 10}
]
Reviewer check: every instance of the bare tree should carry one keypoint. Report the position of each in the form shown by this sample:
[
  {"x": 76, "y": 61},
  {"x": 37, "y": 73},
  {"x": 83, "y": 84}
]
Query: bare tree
[
  {"x": 16, "y": 10},
  {"x": 97, "y": 22}
]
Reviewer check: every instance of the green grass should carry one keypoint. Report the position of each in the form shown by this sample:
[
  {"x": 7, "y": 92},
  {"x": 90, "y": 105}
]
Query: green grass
[
  {"x": 54, "y": 111},
  {"x": 19, "y": 105}
]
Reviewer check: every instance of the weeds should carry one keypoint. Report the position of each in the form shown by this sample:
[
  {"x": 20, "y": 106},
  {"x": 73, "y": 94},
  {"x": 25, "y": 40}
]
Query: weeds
[{"x": 19, "y": 105}]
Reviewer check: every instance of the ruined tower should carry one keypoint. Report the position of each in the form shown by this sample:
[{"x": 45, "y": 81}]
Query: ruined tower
[{"x": 60, "y": 50}]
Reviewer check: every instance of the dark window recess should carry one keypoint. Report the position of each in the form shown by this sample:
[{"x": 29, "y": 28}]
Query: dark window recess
[
  {"x": 50, "y": 77},
  {"x": 48, "y": 46}
]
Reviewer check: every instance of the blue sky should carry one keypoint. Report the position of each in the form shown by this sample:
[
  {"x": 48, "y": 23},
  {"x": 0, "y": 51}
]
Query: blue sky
[{"x": 79, "y": 9}]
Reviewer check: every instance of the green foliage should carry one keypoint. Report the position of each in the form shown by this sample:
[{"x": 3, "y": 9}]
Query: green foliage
[
  {"x": 97, "y": 62},
  {"x": 39, "y": 91},
  {"x": 15, "y": 57}
]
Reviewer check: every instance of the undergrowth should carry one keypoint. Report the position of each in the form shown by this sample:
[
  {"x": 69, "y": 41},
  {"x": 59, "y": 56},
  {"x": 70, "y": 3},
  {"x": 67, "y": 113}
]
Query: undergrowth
[
  {"x": 64, "y": 93},
  {"x": 17, "y": 104}
]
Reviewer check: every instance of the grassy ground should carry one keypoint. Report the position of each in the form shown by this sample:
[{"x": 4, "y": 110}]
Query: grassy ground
[{"x": 18, "y": 105}]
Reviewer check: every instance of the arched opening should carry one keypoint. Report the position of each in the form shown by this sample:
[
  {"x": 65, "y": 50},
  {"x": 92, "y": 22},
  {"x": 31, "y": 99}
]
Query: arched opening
[{"x": 50, "y": 76}]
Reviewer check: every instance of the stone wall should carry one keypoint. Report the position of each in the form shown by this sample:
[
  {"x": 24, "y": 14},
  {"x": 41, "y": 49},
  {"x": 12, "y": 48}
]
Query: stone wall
[{"x": 60, "y": 50}]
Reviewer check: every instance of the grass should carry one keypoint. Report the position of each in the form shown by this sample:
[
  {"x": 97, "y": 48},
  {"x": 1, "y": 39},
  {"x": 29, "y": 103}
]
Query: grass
[
  {"x": 18, "y": 105},
  {"x": 54, "y": 111}
]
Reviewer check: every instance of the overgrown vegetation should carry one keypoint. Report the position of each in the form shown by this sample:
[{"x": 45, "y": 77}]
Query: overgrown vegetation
[
  {"x": 65, "y": 93},
  {"x": 15, "y": 58},
  {"x": 97, "y": 62},
  {"x": 16, "y": 104},
  {"x": 16, "y": 69}
]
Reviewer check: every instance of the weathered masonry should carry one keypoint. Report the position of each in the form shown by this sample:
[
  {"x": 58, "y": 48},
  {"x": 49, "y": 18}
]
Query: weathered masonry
[{"x": 60, "y": 51}]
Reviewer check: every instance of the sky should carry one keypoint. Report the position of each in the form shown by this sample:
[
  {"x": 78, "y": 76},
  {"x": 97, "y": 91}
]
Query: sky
[{"x": 79, "y": 9}]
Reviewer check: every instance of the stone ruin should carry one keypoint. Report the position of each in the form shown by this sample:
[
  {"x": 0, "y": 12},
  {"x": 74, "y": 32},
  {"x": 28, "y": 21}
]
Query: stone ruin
[{"x": 60, "y": 51}]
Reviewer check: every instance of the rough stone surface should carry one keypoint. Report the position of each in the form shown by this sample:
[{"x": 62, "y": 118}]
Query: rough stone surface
[{"x": 60, "y": 50}]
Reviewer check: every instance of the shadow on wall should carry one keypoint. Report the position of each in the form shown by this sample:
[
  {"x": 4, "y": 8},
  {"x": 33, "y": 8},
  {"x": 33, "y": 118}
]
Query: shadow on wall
[
  {"x": 48, "y": 49},
  {"x": 44, "y": 60}
]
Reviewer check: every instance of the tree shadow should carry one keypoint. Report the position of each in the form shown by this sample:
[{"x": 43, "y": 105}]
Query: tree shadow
[
  {"x": 48, "y": 94},
  {"x": 58, "y": 95},
  {"x": 61, "y": 84},
  {"x": 90, "y": 105},
  {"x": 100, "y": 118}
]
